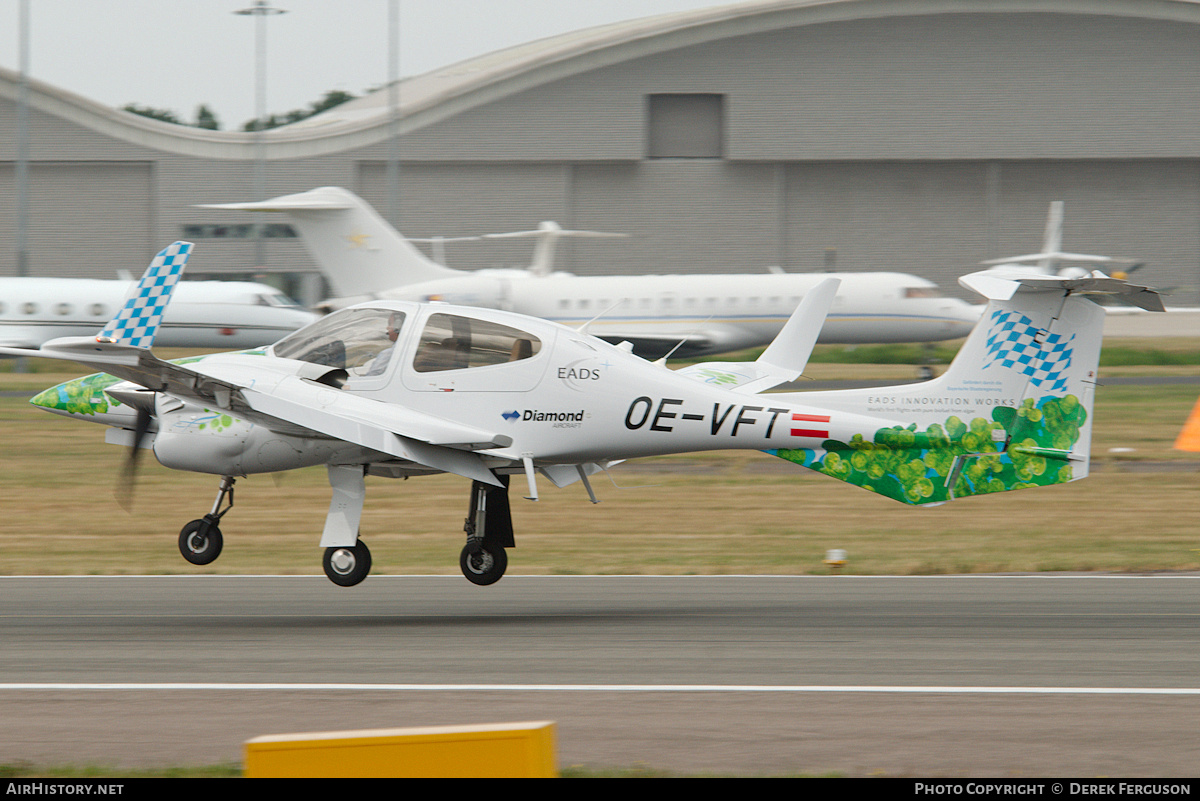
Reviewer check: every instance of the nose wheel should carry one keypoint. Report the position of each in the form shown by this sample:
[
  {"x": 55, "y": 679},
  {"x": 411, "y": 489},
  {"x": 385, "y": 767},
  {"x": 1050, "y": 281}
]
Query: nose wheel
[
  {"x": 347, "y": 566},
  {"x": 200, "y": 541}
]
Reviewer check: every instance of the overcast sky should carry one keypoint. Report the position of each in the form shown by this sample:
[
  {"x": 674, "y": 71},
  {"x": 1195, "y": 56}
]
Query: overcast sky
[{"x": 179, "y": 54}]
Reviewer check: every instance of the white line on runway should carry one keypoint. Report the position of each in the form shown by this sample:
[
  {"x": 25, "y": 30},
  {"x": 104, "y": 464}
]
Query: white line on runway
[{"x": 611, "y": 688}]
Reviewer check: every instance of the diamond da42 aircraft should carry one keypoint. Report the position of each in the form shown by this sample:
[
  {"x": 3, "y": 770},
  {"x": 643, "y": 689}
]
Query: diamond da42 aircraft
[{"x": 399, "y": 388}]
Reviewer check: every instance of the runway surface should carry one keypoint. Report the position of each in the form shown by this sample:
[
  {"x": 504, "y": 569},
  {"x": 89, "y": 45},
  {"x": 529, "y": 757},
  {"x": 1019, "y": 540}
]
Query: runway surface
[{"x": 931, "y": 676}]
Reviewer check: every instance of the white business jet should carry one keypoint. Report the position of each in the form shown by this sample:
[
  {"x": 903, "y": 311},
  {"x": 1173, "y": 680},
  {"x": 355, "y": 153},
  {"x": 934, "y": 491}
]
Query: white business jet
[
  {"x": 365, "y": 258},
  {"x": 205, "y": 314}
]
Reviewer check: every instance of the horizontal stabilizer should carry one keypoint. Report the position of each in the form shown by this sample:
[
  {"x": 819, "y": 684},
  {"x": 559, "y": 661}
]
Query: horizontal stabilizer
[
  {"x": 304, "y": 201},
  {"x": 1058, "y": 255},
  {"x": 998, "y": 286}
]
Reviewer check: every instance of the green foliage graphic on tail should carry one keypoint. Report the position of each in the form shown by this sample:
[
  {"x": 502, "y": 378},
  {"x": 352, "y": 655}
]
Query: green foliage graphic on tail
[{"x": 955, "y": 459}]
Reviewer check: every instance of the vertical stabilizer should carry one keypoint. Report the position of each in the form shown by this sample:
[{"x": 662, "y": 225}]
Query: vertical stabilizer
[
  {"x": 358, "y": 252},
  {"x": 137, "y": 323},
  {"x": 1052, "y": 240},
  {"x": 1013, "y": 411}
]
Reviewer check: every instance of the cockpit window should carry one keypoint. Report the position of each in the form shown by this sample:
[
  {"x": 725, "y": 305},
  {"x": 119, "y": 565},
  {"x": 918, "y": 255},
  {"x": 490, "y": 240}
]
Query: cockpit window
[
  {"x": 276, "y": 299},
  {"x": 359, "y": 340},
  {"x": 922, "y": 292},
  {"x": 450, "y": 342}
]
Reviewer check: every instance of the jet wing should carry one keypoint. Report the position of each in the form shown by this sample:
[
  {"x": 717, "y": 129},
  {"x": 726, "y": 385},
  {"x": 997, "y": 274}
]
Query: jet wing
[{"x": 297, "y": 404}]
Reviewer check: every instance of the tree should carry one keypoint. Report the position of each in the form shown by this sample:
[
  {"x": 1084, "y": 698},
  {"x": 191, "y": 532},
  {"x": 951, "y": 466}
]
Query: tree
[
  {"x": 163, "y": 115},
  {"x": 334, "y": 97},
  {"x": 206, "y": 119}
]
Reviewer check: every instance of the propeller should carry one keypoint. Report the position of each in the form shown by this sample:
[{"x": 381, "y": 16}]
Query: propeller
[
  {"x": 142, "y": 401},
  {"x": 129, "y": 471}
]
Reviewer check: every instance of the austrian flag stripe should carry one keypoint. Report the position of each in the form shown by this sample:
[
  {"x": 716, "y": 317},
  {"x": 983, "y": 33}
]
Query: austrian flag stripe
[{"x": 819, "y": 433}]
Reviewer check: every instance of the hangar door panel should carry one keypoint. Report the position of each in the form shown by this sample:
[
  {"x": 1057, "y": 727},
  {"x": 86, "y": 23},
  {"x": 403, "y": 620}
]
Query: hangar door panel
[
  {"x": 682, "y": 215},
  {"x": 86, "y": 219},
  {"x": 927, "y": 218}
]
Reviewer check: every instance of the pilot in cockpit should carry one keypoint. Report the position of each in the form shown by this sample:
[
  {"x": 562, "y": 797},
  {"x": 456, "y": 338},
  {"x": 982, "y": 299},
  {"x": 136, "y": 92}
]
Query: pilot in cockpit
[{"x": 378, "y": 365}]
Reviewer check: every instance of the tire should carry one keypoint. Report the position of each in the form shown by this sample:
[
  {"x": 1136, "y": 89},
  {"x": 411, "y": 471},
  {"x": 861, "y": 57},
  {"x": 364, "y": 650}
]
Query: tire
[
  {"x": 346, "y": 567},
  {"x": 200, "y": 542},
  {"x": 483, "y": 564}
]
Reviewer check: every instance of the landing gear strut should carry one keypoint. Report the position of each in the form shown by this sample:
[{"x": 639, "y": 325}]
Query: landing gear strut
[
  {"x": 200, "y": 540},
  {"x": 489, "y": 531}
]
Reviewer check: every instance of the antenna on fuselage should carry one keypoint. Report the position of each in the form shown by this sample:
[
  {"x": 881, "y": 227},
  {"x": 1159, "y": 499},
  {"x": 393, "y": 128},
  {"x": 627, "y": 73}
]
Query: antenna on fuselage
[
  {"x": 583, "y": 328},
  {"x": 663, "y": 361}
]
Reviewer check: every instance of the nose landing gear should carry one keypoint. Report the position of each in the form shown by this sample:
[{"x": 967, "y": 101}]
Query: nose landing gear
[{"x": 200, "y": 541}]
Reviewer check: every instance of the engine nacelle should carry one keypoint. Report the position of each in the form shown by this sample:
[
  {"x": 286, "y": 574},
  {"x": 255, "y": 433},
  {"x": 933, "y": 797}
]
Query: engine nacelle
[
  {"x": 196, "y": 439},
  {"x": 192, "y": 437}
]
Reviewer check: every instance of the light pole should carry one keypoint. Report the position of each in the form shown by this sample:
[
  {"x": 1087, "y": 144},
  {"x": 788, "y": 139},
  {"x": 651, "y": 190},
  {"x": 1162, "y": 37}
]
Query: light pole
[
  {"x": 23, "y": 145},
  {"x": 260, "y": 11},
  {"x": 393, "y": 162}
]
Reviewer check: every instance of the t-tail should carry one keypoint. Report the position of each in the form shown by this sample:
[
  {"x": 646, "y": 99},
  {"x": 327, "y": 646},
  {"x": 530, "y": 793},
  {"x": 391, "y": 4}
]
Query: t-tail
[
  {"x": 1013, "y": 411},
  {"x": 360, "y": 253}
]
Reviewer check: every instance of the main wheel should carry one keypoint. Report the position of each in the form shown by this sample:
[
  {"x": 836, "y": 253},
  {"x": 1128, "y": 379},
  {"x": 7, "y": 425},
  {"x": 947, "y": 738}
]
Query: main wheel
[
  {"x": 346, "y": 567},
  {"x": 200, "y": 542},
  {"x": 483, "y": 564}
]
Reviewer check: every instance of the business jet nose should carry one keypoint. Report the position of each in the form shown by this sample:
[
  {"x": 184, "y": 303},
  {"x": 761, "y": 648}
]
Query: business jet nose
[{"x": 86, "y": 399}]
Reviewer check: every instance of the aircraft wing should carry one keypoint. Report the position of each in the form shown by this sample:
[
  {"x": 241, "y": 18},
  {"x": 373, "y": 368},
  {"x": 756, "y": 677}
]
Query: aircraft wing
[
  {"x": 16, "y": 343},
  {"x": 297, "y": 404}
]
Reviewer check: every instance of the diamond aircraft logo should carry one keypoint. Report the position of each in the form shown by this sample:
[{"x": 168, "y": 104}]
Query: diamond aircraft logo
[
  {"x": 512, "y": 416},
  {"x": 1016, "y": 343}
]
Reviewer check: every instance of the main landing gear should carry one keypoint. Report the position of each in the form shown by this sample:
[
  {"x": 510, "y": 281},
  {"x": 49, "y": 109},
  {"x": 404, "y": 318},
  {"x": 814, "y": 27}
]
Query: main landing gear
[
  {"x": 346, "y": 567},
  {"x": 483, "y": 560},
  {"x": 489, "y": 531}
]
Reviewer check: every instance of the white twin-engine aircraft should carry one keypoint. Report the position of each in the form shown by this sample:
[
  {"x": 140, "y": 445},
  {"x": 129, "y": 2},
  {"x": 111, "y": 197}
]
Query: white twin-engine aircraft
[
  {"x": 364, "y": 258},
  {"x": 398, "y": 388}
]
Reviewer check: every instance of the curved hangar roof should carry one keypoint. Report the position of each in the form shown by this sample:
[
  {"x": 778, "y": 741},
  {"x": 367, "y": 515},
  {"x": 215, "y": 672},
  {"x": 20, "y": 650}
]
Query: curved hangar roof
[{"x": 437, "y": 95}]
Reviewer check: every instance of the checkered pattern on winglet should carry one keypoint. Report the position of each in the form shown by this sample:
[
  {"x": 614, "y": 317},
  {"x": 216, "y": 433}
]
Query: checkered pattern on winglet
[
  {"x": 1013, "y": 342},
  {"x": 138, "y": 321}
]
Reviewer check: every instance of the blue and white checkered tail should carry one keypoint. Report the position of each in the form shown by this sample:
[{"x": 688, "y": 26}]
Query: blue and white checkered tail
[{"x": 138, "y": 320}]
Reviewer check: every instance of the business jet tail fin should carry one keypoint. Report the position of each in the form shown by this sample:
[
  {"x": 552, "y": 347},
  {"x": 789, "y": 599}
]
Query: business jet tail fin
[{"x": 359, "y": 252}]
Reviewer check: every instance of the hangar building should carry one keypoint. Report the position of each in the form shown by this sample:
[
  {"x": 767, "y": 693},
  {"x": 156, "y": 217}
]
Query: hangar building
[{"x": 914, "y": 135}]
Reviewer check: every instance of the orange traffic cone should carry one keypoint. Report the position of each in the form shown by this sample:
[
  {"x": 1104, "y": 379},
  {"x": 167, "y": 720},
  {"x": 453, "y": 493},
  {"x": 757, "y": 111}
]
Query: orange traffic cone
[{"x": 1189, "y": 437}]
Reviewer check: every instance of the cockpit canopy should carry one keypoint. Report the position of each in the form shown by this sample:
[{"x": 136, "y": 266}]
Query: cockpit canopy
[{"x": 359, "y": 339}]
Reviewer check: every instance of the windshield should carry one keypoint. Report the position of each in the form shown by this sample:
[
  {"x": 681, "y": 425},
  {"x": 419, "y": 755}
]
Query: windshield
[{"x": 352, "y": 339}]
